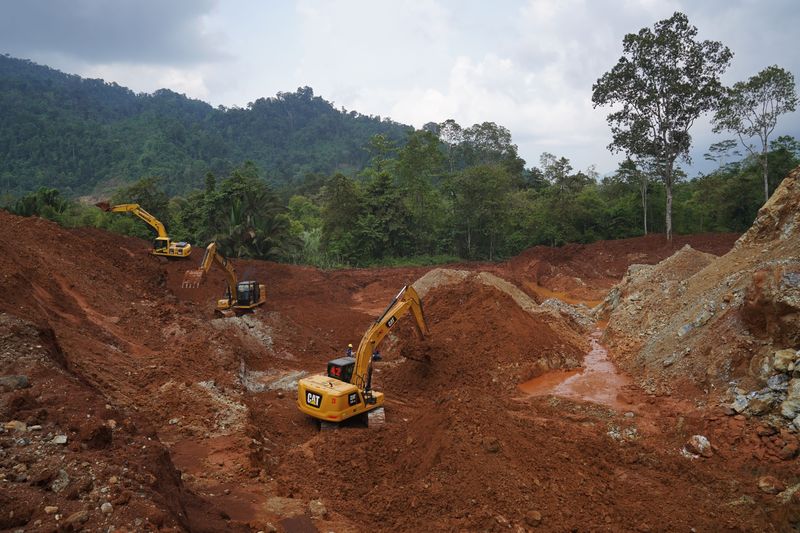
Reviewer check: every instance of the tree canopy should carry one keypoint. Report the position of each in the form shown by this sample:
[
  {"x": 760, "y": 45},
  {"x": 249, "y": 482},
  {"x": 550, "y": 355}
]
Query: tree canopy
[
  {"x": 87, "y": 136},
  {"x": 751, "y": 109},
  {"x": 663, "y": 82}
]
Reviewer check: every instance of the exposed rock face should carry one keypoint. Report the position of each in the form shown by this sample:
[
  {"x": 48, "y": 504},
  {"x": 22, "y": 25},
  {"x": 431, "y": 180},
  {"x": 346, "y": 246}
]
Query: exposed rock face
[
  {"x": 705, "y": 322},
  {"x": 779, "y": 219}
]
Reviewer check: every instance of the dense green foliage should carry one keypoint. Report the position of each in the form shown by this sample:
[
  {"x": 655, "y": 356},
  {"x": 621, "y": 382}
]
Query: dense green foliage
[
  {"x": 83, "y": 136},
  {"x": 480, "y": 211},
  {"x": 443, "y": 193},
  {"x": 751, "y": 109}
]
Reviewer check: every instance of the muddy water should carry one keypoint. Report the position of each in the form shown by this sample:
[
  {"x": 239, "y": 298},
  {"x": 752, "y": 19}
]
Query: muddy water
[{"x": 598, "y": 381}]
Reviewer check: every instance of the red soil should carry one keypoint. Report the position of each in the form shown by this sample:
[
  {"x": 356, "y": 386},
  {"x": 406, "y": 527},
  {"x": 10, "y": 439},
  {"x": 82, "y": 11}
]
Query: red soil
[{"x": 193, "y": 448}]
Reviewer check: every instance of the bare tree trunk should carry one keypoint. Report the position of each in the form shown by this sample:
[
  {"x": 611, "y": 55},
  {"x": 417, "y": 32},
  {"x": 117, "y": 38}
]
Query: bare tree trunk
[
  {"x": 469, "y": 241},
  {"x": 669, "y": 213},
  {"x": 764, "y": 164},
  {"x": 668, "y": 184},
  {"x": 644, "y": 202}
]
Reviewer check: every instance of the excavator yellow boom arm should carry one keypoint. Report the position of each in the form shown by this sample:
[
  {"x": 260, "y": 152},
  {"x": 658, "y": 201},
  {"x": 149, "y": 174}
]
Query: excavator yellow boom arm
[
  {"x": 406, "y": 300},
  {"x": 193, "y": 278},
  {"x": 162, "y": 245},
  {"x": 137, "y": 210}
]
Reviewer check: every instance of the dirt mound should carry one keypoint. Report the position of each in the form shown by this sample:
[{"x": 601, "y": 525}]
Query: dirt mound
[
  {"x": 479, "y": 337},
  {"x": 779, "y": 218},
  {"x": 77, "y": 459},
  {"x": 641, "y": 282},
  {"x": 585, "y": 272},
  {"x": 704, "y": 323}
]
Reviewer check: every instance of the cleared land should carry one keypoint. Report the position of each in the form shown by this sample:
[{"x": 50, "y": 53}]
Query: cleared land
[{"x": 138, "y": 397}]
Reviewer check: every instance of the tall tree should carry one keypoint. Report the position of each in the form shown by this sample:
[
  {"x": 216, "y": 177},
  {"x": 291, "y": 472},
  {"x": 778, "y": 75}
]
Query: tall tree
[
  {"x": 664, "y": 81},
  {"x": 420, "y": 165},
  {"x": 556, "y": 170},
  {"x": 341, "y": 207},
  {"x": 452, "y": 135},
  {"x": 751, "y": 109},
  {"x": 480, "y": 196}
]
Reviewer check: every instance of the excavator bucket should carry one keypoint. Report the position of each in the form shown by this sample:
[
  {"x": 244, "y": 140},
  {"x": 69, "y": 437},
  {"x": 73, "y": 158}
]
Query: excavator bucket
[
  {"x": 224, "y": 313},
  {"x": 105, "y": 206},
  {"x": 193, "y": 278}
]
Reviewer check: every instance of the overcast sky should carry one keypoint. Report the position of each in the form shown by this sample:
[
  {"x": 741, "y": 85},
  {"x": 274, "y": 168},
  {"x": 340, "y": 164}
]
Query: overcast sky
[{"x": 528, "y": 65}]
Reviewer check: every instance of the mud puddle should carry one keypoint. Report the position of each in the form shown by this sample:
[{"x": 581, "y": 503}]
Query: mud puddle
[{"x": 598, "y": 381}]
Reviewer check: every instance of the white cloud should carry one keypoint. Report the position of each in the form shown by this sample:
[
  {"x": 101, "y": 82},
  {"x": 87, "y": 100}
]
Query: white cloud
[
  {"x": 528, "y": 65},
  {"x": 149, "y": 78}
]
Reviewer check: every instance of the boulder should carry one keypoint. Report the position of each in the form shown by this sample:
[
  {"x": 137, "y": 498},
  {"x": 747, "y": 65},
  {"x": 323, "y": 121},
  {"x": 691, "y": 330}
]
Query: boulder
[
  {"x": 770, "y": 485},
  {"x": 699, "y": 445},
  {"x": 779, "y": 382},
  {"x": 790, "y": 407},
  {"x": 789, "y": 451},
  {"x": 9, "y": 383},
  {"x": 782, "y": 359},
  {"x": 75, "y": 520},
  {"x": 317, "y": 509},
  {"x": 533, "y": 518}
]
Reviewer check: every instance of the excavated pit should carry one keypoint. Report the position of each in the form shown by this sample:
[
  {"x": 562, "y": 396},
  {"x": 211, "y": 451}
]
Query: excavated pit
[{"x": 227, "y": 450}]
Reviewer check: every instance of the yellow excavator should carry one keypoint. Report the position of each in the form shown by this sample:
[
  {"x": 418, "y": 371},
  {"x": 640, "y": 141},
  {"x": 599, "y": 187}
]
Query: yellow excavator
[
  {"x": 240, "y": 296},
  {"x": 346, "y": 390},
  {"x": 162, "y": 245}
]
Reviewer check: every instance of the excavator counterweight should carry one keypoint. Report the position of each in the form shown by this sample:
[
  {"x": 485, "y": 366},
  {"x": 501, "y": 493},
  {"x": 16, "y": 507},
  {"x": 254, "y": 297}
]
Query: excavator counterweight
[{"x": 346, "y": 390}]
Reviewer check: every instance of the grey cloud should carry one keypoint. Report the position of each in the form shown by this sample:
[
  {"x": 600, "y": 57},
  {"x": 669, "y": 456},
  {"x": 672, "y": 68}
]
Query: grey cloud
[{"x": 105, "y": 31}]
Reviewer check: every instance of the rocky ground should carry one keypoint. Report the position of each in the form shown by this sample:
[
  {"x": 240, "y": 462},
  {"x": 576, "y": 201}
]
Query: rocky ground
[{"x": 127, "y": 406}]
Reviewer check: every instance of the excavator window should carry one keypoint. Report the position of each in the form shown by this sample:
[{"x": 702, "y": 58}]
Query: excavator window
[
  {"x": 248, "y": 292},
  {"x": 160, "y": 244}
]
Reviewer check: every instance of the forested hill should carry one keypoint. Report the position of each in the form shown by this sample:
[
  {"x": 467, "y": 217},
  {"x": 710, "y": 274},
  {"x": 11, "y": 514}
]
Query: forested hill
[{"x": 84, "y": 135}]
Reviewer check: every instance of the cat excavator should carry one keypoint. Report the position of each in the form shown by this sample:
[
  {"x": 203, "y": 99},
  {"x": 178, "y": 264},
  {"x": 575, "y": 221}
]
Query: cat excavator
[
  {"x": 346, "y": 390},
  {"x": 162, "y": 245},
  {"x": 240, "y": 296}
]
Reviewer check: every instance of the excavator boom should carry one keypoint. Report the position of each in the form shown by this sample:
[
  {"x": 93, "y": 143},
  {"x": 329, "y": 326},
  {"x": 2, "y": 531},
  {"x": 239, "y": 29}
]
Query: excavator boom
[{"x": 406, "y": 300}]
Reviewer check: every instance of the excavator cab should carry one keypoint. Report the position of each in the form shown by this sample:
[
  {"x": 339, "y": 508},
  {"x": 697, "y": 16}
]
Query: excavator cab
[
  {"x": 342, "y": 368},
  {"x": 161, "y": 245},
  {"x": 248, "y": 293}
]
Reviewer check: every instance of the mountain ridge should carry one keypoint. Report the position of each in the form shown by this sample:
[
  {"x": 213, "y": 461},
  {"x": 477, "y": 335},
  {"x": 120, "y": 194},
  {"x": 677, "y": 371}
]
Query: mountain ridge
[{"x": 85, "y": 135}]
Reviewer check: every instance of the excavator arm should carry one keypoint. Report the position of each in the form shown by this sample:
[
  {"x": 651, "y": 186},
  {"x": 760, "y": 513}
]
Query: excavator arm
[
  {"x": 193, "y": 278},
  {"x": 137, "y": 210},
  {"x": 406, "y": 300}
]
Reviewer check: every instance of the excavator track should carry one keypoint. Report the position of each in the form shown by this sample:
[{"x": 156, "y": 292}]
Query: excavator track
[
  {"x": 376, "y": 418},
  {"x": 373, "y": 419}
]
